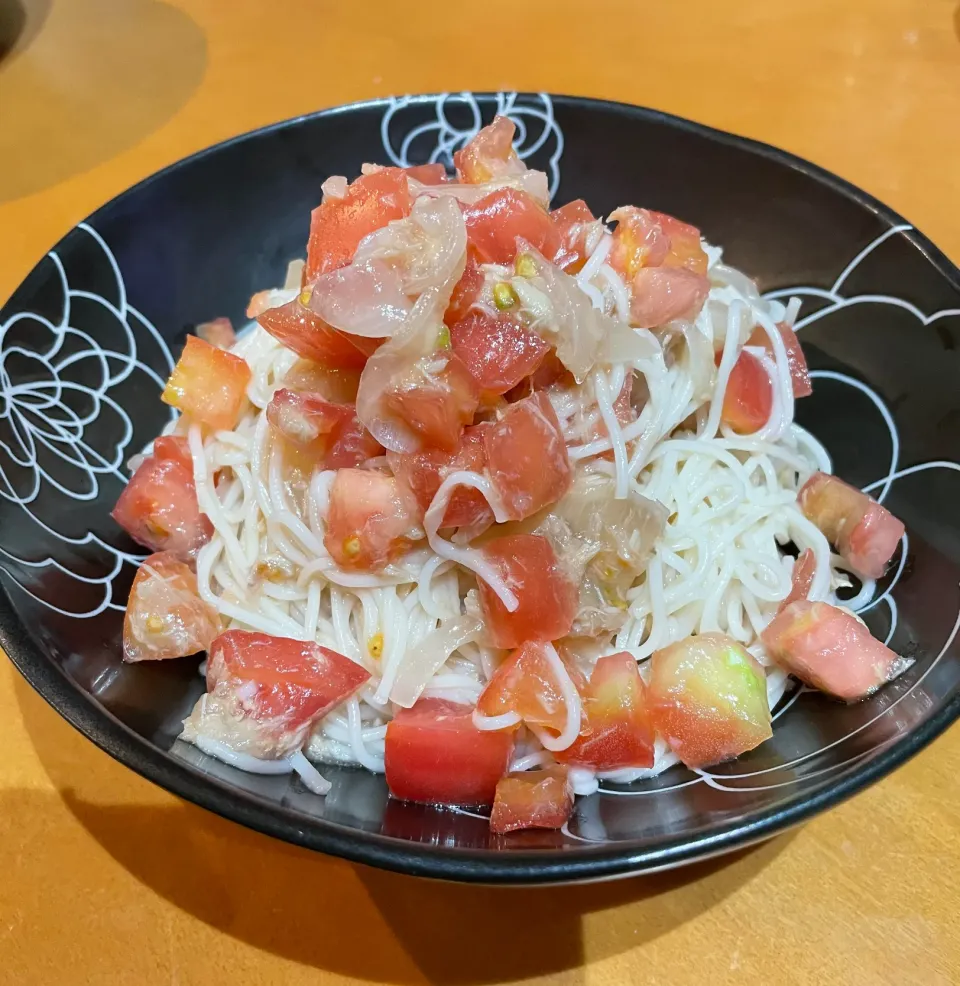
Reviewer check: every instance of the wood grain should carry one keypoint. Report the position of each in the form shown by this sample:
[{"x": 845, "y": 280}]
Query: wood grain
[{"x": 108, "y": 879}]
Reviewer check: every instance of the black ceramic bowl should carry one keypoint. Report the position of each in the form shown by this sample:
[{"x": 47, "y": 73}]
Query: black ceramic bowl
[{"x": 87, "y": 339}]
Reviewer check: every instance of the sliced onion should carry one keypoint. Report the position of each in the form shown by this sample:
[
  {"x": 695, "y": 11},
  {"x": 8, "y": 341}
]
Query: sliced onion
[
  {"x": 420, "y": 664},
  {"x": 365, "y": 300},
  {"x": 583, "y": 335},
  {"x": 534, "y": 183}
]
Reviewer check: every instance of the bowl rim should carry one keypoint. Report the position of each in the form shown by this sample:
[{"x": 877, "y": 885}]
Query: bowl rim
[{"x": 520, "y": 866}]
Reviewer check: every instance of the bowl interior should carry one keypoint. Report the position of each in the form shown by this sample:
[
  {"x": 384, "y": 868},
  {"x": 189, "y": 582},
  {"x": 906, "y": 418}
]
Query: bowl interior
[{"x": 87, "y": 340}]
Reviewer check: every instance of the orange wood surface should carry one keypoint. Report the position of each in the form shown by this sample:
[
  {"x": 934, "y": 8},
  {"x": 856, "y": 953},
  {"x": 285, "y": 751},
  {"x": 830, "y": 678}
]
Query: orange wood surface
[{"x": 107, "y": 879}]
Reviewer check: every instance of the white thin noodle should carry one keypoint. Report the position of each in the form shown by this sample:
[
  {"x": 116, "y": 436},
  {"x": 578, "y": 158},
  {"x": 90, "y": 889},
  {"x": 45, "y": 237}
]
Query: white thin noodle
[{"x": 719, "y": 566}]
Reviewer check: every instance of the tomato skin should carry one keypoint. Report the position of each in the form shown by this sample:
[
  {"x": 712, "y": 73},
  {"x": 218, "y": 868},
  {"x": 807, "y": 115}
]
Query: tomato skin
[
  {"x": 498, "y": 350},
  {"x": 165, "y": 616},
  {"x": 298, "y": 328},
  {"x": 830, "y": 649},
  {"x": 436, "y": 399},
  {"x": 863, "y": 531},
  {"x": 797, "y": 362},
  {"x": 208, "y": 384},
  {"x": 489, "y": 154},
  {"x": 541, "y": 799},
  {"x": 547, "y": 598},
  {"x": 368, "y": 520},
  {"x": 572, "y": 222},
  {"x": 708, "y": 699},
  {"x": 617, "y": 731},
  {"x": 435, "y": 754},
  {"x": 527, "y": 457},
  {"x": 526, "y": 684},
  {"x": 338, "y": 225},
  {"x": 158, "y": 508},
  {"x": 423, "y": 472},
  {"x": 748, "y": 399},
  {"x": 496, "y": 222},
  {"x": 465, "y": 291}
]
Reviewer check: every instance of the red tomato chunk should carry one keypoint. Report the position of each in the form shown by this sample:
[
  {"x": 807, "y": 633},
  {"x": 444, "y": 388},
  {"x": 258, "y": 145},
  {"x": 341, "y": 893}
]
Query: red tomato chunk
[
  {"x": 298, "y": 328},
  {"x": 208, "y": 384},
  {"x": 266, "y": 693},
  {"x": 370, "y": 520},
  {"x": 499, "y": 219},
  {"x": 527, "y": 457},
  {"x": 797, "y": 362},
  {"x": 435, "y": 754},
  {"x": 865, "y": 533},
  {"x": 423, "y": 472},
  {"x": 330, "y": 433},
  {"x": 748, "y": 399},
  {"x": 338, "y": 225},
  {"x": 804, "y": 570},
  {"x": 708, "y": 699},
  {"x": 617, "y": 732},
  {"x": 497, "y": 350},
  {"x": 165, "y": 615},
  {"x": 572, "y": 221},
  {"x": 526, "y": 684},
  {"x": 465, "y": 291},
  {"x": 437, "y": 398},
  {"x": 662, "y": 294},
  {"x": 532, "y": 799},
  {"x": 547, "y": 598},
  {"x": 830, "y": 649},
  {"x": 159, "y": 506},
  {"x": 489, "y": 154}
]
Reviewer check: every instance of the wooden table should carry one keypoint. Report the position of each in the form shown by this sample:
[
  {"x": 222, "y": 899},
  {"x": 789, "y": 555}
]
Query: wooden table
[{"x": 107, "y": 879}]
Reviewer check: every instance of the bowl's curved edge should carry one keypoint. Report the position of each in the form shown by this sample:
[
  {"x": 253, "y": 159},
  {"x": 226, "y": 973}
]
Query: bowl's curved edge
[{"x": 478, "y": 866}]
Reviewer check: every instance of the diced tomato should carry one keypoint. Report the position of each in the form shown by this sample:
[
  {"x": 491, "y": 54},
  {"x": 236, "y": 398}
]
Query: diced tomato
[
  {"x": 804, "y": 570},
  {"x": 436, "y": 399},
  {"x": 652, "y": 239},
  {"x": 298, "y": 328},
  {"x": 638, "y": 241},
  {"x": 331, "y": 434},
  {"x": 748, "y": 399},
  {"x": 435, "y": 754},
  {"x": 797, "y": 362},
  {"x": 159, "y": 506},
  {"x": 527, "y": 457},
  {"x": 218, "y": 332},
  {"x": 208, "y": 384},
  {"x": 338, "y": 386},
  {"x": 662, "y": 294},
  {"x": 352, "y": 445},
  {"x": 423, "y": 472},
  {"x": 489, "y": 154},
  {"x": 708, "y": 699},
  {"x": 686, "y": 249},
  {"x": 572, "y": 221},
  {"x": 496, "y": 222},
  {"x": 498, "y": 350},
  {"x": 428, "y": 174},
  {"x": 275, "y": 688},
  {"x": 465, "y": 291},
  {"x": 865, "y": 533},
  {"x": 338, "y": 225},
  {"x": 830, "y": 649},
  {"x": 165, "y": 615},
  {"x": 532, "y": 799},
  {"x": 551, "y": 372},
  {"x": 370, "y": 519},
  {"x": 547, "y": 598},
  {"x": 617, "y": 732},
  {"x": 526, "y": 684},
  {"x": 304, "y": 418}
]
